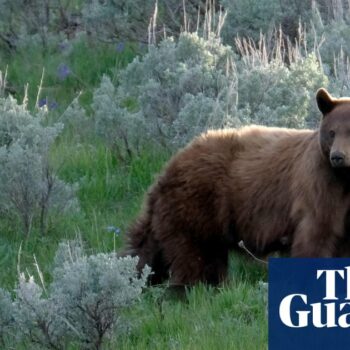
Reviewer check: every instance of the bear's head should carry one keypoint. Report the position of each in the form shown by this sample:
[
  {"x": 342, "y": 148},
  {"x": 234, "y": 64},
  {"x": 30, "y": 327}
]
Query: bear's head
[{"x": 335, "y": 128}]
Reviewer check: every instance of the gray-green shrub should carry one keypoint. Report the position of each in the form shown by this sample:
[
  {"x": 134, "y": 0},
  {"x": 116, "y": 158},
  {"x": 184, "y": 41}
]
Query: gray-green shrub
[
  {"x": 276, "y": 94},
  {"x": 29, "y": 187},
  {"x": 82, "y": 305},
  {"x": 93, "y": 290},
  {"x": 37, "y": 316},
  {"x": 114, "y": 124},
  {"x": 171, "y": 94}
]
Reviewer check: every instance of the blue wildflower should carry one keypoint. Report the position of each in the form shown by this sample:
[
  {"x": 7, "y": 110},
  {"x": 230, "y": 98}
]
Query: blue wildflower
[
  {"x": 115, "y": 230},
  {"x": 120, "y": 47},
  {"x": 63, "y": 71}
]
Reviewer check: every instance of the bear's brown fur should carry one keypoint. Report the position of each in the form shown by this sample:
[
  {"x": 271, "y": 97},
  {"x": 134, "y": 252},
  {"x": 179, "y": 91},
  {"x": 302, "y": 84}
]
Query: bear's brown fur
[{"x": 270, "y": 187}]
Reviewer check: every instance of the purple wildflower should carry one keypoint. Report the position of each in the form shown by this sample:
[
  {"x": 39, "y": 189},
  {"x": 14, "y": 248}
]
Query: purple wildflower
[
  {"x": 51, "y": 104},
  {"x": 120, "y": 47},
  {"x": 63, "y": 71},
  {"x": 42, "y": 102}
]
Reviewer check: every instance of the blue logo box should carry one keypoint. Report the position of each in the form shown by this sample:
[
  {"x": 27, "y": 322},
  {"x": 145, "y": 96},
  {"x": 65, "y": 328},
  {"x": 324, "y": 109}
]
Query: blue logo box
[{"x": 309, "y": 304}]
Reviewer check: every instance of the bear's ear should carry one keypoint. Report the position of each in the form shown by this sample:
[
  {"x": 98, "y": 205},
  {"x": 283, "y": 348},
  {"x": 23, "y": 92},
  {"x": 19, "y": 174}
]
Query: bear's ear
[{"x": 325, "y": 101}]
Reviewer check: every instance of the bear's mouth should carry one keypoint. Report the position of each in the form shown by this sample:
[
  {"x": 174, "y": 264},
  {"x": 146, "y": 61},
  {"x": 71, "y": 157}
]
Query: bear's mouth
[
  {"x": 342, "y": 174},
  {"x": 339, "y": 166}
]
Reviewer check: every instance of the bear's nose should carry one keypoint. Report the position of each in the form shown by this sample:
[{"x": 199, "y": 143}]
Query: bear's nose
[{"x": 337, "y": 159}]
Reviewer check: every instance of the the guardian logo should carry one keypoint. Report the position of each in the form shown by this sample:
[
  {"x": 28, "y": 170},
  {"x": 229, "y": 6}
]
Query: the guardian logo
[
  {"x": 309, "y": 304},
  {"x": 315, "y": 312}
]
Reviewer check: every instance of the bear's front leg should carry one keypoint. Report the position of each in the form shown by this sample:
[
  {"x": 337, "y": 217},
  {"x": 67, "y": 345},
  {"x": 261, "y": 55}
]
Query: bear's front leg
[{"x": 315, "y": 238}]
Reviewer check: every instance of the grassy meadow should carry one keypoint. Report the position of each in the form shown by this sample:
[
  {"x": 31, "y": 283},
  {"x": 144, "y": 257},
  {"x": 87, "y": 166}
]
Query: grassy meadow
[{"x": 110, "y": 196}]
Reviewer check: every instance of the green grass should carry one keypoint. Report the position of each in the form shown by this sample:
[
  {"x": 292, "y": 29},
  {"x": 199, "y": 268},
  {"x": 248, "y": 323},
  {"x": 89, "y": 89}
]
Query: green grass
[{"x": 232, "y": 317}]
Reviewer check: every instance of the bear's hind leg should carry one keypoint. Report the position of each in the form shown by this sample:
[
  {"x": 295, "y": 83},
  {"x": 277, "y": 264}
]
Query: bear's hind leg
[
  {"x": 191, "y": 263},
  {"x": 215, "y": 255},
  {"x": 143, "y": 245},
  {"x": 160, "y": 269}
]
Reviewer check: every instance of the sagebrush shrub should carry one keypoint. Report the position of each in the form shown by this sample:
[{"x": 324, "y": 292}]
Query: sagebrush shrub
[
  {"x": 92, "y": 291},
  {"x": 117, "y": 127},
  {"x": 29, "y": 188},
  {"x": 75, "y": 120},
  {"x": 272, "y": 93},
  {"x": 38, "y": 319},
  {"x": 81, "y": 306},
  {"x": 171, "y": 94}
]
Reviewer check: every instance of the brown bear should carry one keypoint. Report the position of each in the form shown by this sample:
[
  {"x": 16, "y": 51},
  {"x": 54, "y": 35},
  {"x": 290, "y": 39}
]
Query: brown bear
[{"x": 268, "y": 187}]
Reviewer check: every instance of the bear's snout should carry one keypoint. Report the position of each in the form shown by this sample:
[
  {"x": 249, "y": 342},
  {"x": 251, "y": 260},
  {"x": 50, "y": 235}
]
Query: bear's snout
[{"x": 337, "y": 159}]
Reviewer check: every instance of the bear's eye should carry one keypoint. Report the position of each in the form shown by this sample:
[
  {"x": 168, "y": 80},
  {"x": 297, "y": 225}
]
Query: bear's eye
[{"x": 331, "y": 134}]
